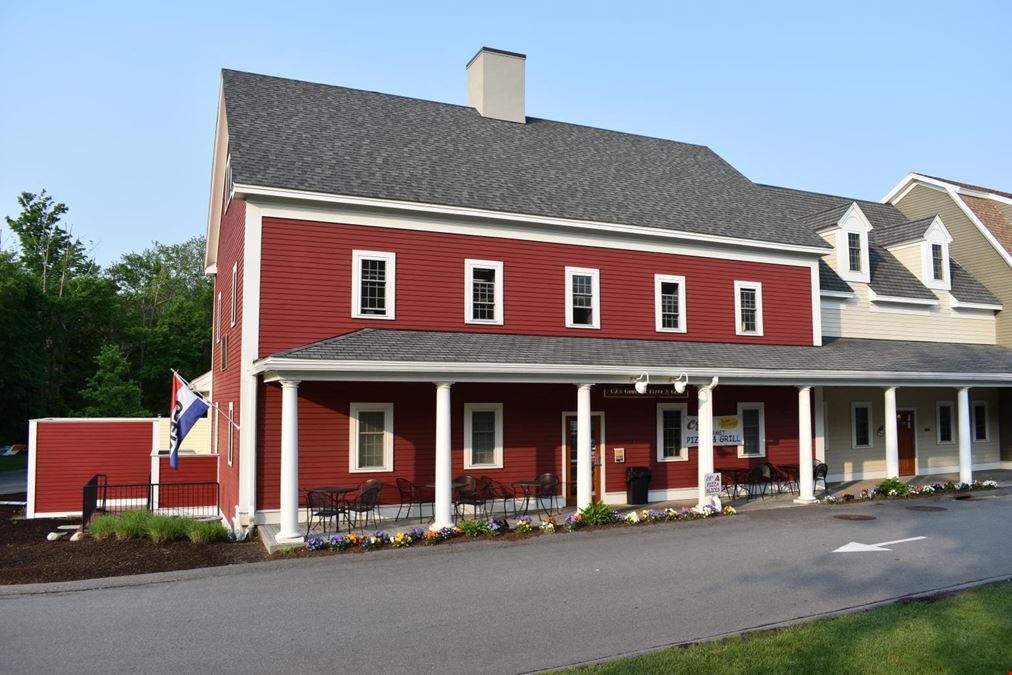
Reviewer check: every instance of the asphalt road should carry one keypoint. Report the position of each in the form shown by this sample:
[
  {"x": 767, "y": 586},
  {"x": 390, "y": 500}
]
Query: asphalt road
[
  {"x": 502, "y": 607},
  {"x": 13, "y": 481}
]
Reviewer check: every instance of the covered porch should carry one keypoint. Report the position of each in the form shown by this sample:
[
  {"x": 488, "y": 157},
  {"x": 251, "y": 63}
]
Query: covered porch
[{"x": 561, "y": 382}]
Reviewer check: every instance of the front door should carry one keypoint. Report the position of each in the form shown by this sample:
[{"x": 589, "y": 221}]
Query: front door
[
  {"x": 906, "y": 431},
  {"x": 596, "y": 453}
]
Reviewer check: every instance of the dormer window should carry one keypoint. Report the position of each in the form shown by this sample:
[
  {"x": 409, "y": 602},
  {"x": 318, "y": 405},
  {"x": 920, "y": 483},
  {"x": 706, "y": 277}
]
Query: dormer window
[
  {"x": 937, "y": 262},
  {"x": 935, "y": 256},
  {"x": 854, "y": 251}
]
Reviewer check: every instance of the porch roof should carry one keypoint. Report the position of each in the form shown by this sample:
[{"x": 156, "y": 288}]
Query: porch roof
[{"x": 411, "y": 354}]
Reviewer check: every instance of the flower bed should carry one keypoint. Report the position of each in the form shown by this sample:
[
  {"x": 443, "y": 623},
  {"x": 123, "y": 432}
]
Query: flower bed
[
  {"x": 595, "y": 515},
  {"x": 893, "y": 488}
]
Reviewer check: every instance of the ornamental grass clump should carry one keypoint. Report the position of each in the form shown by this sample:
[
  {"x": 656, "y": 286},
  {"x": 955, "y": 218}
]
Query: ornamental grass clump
[
  {"x": 132, "y": 524},
  {"x": 206, "y": 532},
  {"x": 165, "y": 529},
  {"x": 103, "y": 527}
]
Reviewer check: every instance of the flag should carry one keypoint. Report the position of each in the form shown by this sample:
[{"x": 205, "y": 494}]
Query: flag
[{"x": 187, "y": 408}]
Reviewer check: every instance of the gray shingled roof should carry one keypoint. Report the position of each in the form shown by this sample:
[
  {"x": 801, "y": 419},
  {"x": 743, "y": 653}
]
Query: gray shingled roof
[
  {"x": 897, "y": 234},
  {"x": 304, "y": 136},
  {"x": 891, "y": 277},
  {"x": 848, "y": 355},
  {"x": 829, "y": 280},
  {"x": 966, "y": 288}
]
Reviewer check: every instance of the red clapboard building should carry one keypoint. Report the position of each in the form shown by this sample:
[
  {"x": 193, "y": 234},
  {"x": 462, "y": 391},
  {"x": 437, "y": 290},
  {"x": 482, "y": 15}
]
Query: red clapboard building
[{"x": 416, "y": 290}]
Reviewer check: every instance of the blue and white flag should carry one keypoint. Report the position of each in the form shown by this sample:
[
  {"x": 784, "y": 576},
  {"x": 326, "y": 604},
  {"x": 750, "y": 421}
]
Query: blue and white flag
[{"x": 187, "y": 408}]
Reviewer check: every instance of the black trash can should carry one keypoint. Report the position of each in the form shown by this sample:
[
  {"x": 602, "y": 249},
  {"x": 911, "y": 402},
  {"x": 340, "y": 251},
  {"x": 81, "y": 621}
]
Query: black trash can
[{"x": 637, "y": 480}]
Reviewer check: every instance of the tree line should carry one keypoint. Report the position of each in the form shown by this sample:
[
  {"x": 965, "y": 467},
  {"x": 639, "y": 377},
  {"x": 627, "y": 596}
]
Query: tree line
[{"x": 77, "y": 339}]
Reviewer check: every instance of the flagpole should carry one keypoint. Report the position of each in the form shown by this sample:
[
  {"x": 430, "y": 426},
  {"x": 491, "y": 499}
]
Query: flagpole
[{"x": 209, "y": 404}]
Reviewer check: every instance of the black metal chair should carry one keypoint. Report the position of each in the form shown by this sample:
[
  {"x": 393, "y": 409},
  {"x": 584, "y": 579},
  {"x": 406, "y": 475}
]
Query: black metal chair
[
  {"x": 507, "y": 493},
  {"x": 783, "y": 479},
  {"x": 411, "y": 495},
  {"x": 364, "y": 504},
  {"x": 548, "y": 489},
  {"x": 321, "y": 507},
  {"x": 759, "y": 478},
  {"x": 819, "y": 473},
  {"x": 473, "y": 493}
]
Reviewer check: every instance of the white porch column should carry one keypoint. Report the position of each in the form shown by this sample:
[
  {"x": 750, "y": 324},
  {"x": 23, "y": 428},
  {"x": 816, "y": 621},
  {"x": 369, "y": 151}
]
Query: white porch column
[
  {"x": 891, "y": 435},
  {"x": 584, "y": 467},
  {"x": 443, "y": 506},
  {"x": 819, "y": 401},
  {"x": 290, "y": 531},
  {"x": 704, "y": 417},
  {"x": 965, "y": 456},
  {"x": 806, "y": 486}
]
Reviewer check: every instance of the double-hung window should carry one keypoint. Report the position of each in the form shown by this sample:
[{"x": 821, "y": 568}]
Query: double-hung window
[
  {"x": 943, "y": 410},
  {"x": 937, "y": 262},
  {"x": 669, "y": 303},
  {"x": 483, "y": 436},
  {"x": 217, "y": 320},
  {"x": 671, "y": 432},
  {"x": 748, "y": 307},
  {"x": 854, "y": 251},
  {"x": 583, "y": 302},
  {"x": 231, "y": 432},
  {"x": 374, "y": 277},
  {"x": 483, "y": 291},
  {"x": 980, "y": 421},
  {"x": 371, "y": 441},
  {"x": 753, "y": 430},
  {"x": 860, "y": 426}
]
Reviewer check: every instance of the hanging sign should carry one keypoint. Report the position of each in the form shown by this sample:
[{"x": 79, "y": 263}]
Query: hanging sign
[
  {"x": 726, "y": 431},
  {"x": 653, "y": 391}
]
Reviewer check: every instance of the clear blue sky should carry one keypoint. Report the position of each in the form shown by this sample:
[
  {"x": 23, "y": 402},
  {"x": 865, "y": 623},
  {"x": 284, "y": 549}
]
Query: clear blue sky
[{"x": 111, "y": 106}]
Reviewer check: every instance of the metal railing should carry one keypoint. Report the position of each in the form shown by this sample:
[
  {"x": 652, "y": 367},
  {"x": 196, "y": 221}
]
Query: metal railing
[{"x": 194, "y": 500}]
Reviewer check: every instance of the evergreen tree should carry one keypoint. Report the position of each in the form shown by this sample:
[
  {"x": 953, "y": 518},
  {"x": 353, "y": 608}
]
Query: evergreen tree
[{"x": 111, "y": 392}]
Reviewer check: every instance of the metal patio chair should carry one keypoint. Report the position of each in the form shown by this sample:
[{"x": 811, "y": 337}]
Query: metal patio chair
[
  {"x": 819, "y": 473},
  {"x": 473, "y": 493},
  {"x": 364, "y": 504},
  {"x": 411, "y": 495},
  {"x": 758, "y": 481},
  {"x": 321, "y": 507},
  {"x": 548, "y": 489}
]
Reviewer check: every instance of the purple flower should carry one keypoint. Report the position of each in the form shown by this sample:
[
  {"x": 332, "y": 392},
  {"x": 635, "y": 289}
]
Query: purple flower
[{"x": 314, "y": 543}]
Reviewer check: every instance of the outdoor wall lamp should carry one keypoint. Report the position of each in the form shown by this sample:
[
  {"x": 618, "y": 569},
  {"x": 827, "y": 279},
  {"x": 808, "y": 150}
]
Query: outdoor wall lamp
[
  {"x": 680, "y": 383},
  {"x": 642, "y": 382}
]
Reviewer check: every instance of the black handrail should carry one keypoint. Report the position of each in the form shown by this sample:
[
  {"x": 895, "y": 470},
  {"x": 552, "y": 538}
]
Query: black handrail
[{"x": 197, "y": 500}]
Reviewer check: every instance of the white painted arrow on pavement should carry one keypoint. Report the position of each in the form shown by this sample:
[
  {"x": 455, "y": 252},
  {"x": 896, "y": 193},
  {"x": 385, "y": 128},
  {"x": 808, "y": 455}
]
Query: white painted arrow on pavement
[{"x": 854, "y": 547}]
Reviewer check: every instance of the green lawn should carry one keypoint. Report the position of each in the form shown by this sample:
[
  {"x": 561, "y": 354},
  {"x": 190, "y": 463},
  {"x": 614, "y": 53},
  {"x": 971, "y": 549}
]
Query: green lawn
[
  {"x": 966, "y": 633},
  {"x": 14, "y": 462}
]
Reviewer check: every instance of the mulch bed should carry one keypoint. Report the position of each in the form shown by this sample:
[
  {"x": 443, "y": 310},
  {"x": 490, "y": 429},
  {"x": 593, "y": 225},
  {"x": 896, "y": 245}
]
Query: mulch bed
[{"x": 27, "y": 558}]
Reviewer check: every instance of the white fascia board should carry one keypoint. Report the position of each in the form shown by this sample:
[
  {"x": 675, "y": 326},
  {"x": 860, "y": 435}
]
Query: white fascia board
[
  {"x": 899, "y": 300},
  {"x": 275, "y": 369},
  {"x": 467, "y": 212},
  {"x": 956, "y": 304},
  {"x": 841, "y": 295},
  {"x": 214, "y": 203}
]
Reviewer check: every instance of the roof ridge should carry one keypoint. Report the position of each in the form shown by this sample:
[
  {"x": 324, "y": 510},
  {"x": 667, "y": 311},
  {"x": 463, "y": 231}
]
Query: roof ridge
[{"x": 822, "y": 194}]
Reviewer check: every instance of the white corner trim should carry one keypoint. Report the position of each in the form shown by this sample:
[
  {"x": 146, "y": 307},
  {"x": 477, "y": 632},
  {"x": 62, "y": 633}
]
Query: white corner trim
[
  {"x": 33, "y": 455},
  {"x": 249, "y": 351},
  {"x": 816, "y": 306}
]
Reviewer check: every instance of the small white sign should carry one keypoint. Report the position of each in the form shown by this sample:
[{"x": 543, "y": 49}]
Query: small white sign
[
  {"x": 726, "y": 431},
  {"x": 712, "y": 484}
]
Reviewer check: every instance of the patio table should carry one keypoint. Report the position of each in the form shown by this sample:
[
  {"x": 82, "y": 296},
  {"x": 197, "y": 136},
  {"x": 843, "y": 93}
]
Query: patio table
[
  {"x": 738, "y": 476},
  {"x": 337, "y": 495},
  {"x": 530, "y": 488}
]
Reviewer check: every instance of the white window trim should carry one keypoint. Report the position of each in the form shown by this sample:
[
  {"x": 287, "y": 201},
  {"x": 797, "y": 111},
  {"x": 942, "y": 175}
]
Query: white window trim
[
  {"x": 217, "y": 321},
  {"x": 936, "y": 234},
  {"x": 388, "y": 436},
  {"x": 853, "y": 222},
  {"x": 659, "y": 280},
  {"x": 761, "y": 407},
  {"x": 217, "y": 448},
  {"x": 595, "y": 304},
  {"x": 231, "y": 432},
  {"x": 470, "y": 408},
  {"x": 683, "y": 452},
  {"x": 973, "y": 422},
  {"x": 938, "y": 423},
  {"x": 357, "y": 256},
  {"x": 235, "y": 292},
  {"x": 758, "y": 287},
  {"x": 469, "y": 267},
  {"x": 854, "y": 405}
]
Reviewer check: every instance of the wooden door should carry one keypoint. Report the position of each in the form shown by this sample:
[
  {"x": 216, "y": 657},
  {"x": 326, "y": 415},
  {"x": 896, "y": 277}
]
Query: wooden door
[
  {"x": 906, "y": 442},
  {"x": 596, "y": 453}
]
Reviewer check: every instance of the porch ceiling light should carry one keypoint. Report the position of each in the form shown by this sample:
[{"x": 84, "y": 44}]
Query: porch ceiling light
[
  {"x": 642, "y": 382},
  {"x": 681, "y": 382}
]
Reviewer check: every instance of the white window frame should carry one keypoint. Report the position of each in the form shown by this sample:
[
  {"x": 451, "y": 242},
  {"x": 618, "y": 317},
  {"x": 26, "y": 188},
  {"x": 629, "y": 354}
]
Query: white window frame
[
  {"x": 659, "y": 281},
  {"x": 973, "y": 422},
  {"x": 938, "y": 422},
  {"x": 470, "y": 266},
  {"x": 595, "y": 301},
  {"x": 757, "y": 286},
  {"x": 470, "y": 408},
  {"x": 217, "y": 322},
  {"x": 235, "y": 292},
  {"x": 853, "y": 222},
  {"x": 683, "y": 452},
  {"x": 231, "y": 432},
  {"x": 761, "y": 407},
  {"x": 936, "y": 234},
  {"x": 854, "y": 405},
  {"x": 217, "y": 448},
  {"x": 354, "y": 410},
  {"x": 390, "y": 291}
]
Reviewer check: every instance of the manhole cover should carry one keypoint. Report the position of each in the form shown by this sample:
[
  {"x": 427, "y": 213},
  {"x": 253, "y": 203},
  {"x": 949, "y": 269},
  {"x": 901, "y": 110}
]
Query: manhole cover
[
  {"x": 853, "y": 516},
  {"x": 963, "y": 497},
  {"x": 926, "y": 508}
]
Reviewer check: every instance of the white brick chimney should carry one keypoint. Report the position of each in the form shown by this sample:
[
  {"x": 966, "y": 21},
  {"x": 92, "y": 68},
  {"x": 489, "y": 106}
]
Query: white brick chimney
[{"x": 495, "y": 84}]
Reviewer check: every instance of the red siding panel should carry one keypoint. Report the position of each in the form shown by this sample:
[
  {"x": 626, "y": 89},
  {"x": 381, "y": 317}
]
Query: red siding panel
[
  {"x": 306, "y": 286},
  {"x": 201, "y": 469},
  {"x": 70, "y": 453}
]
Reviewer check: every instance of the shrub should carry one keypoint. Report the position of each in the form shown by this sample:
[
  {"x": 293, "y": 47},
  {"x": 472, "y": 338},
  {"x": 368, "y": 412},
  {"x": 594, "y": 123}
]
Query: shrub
[
  {"x": 163, "y": 529},
  {"x": 206, "y": 532},
  {"x": 474, "y": 528},
  {"x": 598, "y": 513},
  {"x": 132, "y": 524},
  {"x": 103, "y": 527},
  {"x": 893, "y": 487}
]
